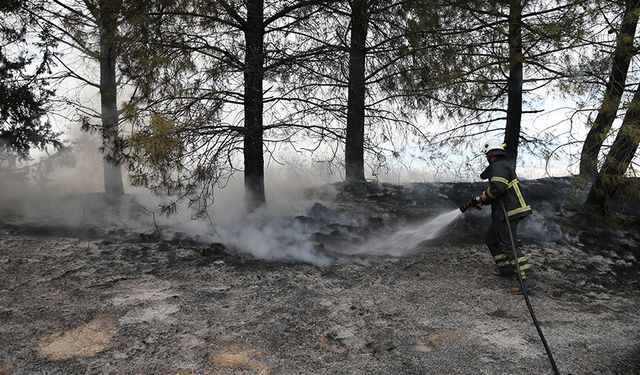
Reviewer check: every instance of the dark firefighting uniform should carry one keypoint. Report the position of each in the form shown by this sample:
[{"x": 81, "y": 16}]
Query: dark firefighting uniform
[{"x": 504, "y": 186}]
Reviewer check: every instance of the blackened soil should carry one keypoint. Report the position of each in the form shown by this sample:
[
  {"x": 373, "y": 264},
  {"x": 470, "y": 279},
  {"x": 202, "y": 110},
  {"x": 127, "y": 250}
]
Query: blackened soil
[
  {"x": 116, "y": 300},
  {"x": 162, "y": 308}
]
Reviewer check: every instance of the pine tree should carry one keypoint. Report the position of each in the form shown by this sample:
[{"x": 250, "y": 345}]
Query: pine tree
[
  {"x": 614, "y": 89},
  {"x": 484, "y": 61},
  {"x": 91, "y": 28},
  {"x": 204, "y": 68},
  {"x": 612, "y": 175},
  {"x": 24, "y": 93}
]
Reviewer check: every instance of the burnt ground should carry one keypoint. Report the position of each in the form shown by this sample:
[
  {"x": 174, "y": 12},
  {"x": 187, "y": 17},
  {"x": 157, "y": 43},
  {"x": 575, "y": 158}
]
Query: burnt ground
[{"x": 94, "y": 299}]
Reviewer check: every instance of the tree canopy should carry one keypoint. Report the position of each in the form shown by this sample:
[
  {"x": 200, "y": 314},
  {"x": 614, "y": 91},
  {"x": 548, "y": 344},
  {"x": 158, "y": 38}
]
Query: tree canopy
[{"x": 25, "y": 59}]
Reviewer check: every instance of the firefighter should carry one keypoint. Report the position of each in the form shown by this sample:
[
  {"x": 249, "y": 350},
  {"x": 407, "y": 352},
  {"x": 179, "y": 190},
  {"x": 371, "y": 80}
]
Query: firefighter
[{"x": 504, "y": 187}]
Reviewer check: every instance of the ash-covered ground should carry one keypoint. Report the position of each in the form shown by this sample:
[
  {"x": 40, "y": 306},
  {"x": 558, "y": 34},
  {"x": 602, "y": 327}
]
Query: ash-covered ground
[{"x": 92, "y": 286}]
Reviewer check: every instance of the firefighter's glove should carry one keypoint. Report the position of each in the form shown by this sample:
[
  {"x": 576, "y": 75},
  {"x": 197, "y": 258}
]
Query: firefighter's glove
[{"x": 484, "y": 197}]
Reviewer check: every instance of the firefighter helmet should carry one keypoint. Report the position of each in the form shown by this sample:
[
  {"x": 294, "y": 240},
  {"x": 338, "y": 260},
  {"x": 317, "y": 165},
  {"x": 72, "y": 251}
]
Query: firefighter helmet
[{"x": 494, "y": 146}]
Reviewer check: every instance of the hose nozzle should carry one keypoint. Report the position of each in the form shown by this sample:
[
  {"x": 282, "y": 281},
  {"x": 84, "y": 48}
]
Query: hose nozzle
[{"x": 474, "y": 202}]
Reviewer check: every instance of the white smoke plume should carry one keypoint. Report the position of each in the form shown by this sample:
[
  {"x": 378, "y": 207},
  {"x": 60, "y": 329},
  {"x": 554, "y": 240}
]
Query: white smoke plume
[
  {"x": 70, "y": 194},
  {"x": 271, "y": 232}
]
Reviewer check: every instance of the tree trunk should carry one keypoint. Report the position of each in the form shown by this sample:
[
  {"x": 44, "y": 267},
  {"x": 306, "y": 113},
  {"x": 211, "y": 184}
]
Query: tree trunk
[
  {"x": 253, "y": 106},
  {"x": 613, "y": 92},
  {"x": 108, "y": 99},
  {"x": 354, "y": 145},
  {"x": 514, "y": 82},
  {"x": 615, "y": 166}
]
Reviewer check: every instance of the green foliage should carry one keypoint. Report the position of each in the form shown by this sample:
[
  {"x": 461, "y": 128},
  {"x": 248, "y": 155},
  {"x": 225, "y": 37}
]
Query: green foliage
[
  {"x": 161, "y": 158},
  {"x": 155, "y": 155},
  {"x": 24, "y": 94},
  {"x": 462, "y": 58}
]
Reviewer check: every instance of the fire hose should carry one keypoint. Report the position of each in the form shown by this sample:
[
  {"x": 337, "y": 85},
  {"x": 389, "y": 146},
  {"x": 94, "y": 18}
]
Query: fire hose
[{"x": 475, "y": 203}]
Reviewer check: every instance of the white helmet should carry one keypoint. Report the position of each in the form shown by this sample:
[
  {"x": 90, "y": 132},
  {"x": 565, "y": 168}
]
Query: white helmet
[{"x": 493, "y": 144}]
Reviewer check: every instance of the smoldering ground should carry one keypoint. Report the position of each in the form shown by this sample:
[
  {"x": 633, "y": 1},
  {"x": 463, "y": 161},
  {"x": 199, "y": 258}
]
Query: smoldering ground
[{"x": 89, "y": 286}]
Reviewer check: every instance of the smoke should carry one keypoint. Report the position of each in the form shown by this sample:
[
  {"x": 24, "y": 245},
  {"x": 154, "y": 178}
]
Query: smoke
[
  {"x": 54, "y": 186},
  {"x": 303, "y": 220},
  {"x": 69, "y": 193},
  {"x": 538, "y": 227},
  {"x": 83, "y": 174},
  {"x": 274, "y": 232},
  {"x": 300, "y": 207},
  {"x": 274, "y": 238}
]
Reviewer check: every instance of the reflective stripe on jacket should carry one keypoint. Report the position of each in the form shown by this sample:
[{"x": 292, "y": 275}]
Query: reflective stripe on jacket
[{"x": 504, "y": 186}]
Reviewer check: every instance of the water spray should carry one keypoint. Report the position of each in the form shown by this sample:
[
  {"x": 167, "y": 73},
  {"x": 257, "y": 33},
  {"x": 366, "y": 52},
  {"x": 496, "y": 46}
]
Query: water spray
[{"x": 405, "y": 240}]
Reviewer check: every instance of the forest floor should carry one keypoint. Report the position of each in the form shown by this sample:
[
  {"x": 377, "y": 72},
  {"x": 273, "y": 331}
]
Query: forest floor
[{"x": 75, "y": 302}]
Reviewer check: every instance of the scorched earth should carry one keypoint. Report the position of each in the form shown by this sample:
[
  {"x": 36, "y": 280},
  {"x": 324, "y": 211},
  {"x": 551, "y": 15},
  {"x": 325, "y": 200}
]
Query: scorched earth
[{"x": 76, "y": 302}]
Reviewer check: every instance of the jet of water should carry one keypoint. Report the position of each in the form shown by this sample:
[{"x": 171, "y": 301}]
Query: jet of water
[{"x": 406, "y": 239}]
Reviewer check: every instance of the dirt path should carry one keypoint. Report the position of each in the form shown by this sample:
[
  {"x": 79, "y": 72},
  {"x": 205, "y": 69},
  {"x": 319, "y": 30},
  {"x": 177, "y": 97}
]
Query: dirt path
[{"x": 69, "y": 306}]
